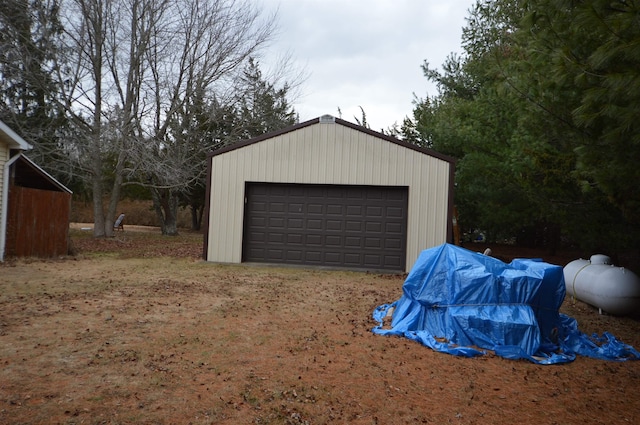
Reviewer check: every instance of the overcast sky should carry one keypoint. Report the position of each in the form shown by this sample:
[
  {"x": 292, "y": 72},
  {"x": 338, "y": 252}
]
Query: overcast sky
[{"x": 366, "y": 52}]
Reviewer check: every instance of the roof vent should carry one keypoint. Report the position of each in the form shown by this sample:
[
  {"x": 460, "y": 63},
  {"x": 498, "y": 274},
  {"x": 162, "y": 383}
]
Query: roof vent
[{"x": 327, "y": 119}]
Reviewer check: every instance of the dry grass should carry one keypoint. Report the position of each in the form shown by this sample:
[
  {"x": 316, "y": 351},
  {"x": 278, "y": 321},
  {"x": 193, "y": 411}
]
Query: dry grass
[{"x": 136, "y": 329}]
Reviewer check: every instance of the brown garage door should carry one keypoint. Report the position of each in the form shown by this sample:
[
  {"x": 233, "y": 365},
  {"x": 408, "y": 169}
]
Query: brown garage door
[{"x": 326, "y": 225}]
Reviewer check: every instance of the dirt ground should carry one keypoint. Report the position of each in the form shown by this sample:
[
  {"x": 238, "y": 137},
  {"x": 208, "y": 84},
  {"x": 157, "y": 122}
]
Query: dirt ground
[{"x": 136, "y": 329}]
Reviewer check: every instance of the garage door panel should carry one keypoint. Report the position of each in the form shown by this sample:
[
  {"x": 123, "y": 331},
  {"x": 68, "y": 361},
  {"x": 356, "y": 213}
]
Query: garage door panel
[
  {"x": 335, "y": 192},
  {"x": 395, "y": 212},
  {"x": 353, "y": 242},
  {"x": 336, "y": 225},
  {"x": 259, "y": 206},
  {"x": 372, "y": 243},
  {"x": 397, "y": 261},
  {"x": 277, "y": 207},
  {"x": 258, "y": 222},
  {"x": 275, "y": 254},
  {"x": 374, "y": 211},
  {"x": 315, "y": 209},
  {"x": 334, "y": 209},
  {"x": 295, "y": 223},
  {"x": 396, "y": 196},
  {"x": 373, "y": 227},
  {"x": 372, "y": 260},
  {"x": 353, "y": 259},
  {"x": 333, "y": 258},
  {"x": 257, "y": 237},
  {"x": 294, "y": 255},
  {"x": 296, "y": 208},
  {"x": 314, "y": 224},
  {"x": 333, "y": 241},
  {"x": 375, "y": 194},
  {"x": 393, "y": 228},
  {"x": 354, "y": 210},
  {"x": 314, "y": 239},
  {"x": 275, "y": 238},
  {"x": 353, "y": 226},
  {"x": 391, "y": 243},
  {"x": 276, "y": 222},
  {"x": 312, "y": 257}
]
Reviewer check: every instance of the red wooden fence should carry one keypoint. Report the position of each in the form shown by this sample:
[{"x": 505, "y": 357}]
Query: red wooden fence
[{"x": 37, "y": 222}]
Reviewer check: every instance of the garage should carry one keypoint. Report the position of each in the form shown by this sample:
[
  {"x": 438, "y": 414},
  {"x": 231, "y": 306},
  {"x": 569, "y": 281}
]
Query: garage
[
  {"x": 327, "y": 193},
  {"x": 358, "y": 227}
]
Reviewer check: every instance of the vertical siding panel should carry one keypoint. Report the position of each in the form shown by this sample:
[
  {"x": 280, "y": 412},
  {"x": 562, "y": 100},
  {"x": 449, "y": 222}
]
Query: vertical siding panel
[
  {"x": 310, "y": 138},
  {"x": 260, "y": 151},
  {"x": 297, "y": 144},
  {"x": 231, "y": 209},
  {"x": 362, "y": 159},
  {"x": 366, "y": 173},
  {"x": 315, "y": 152},
  {"x": 395, "y": 168},
  {"x": 267, "y": 159},
  {"x": 213, "y": 199},
  {"x": 432, "y": 194},
  {"x": 337, "y": 147},
  {"x": 356, "y": 150},
  {"x": 334, "y": 163},
  {"x": 235, "y": 242},
  {"x": 308, "y": 154},
  {"x": 223, "y": 187},
  {"x": 4, "y": 157},
  {"x": 385, "y": 163},
  {"x": 356, "y": 160},
  {"x": 223, "y": 201},
  {"x": 374, "y": 163},
  {"x": 444, "y": 188},
  {"x": 321, "y": 159},
  {"x": 416, "y": 207},
  {"x": 255, "y": 161},
  {"x": 274, "y": 160},
  {"x": 292, "y": 158},
  {"x": 417, "y": 201},
  {"x": 32, "y": 231}
]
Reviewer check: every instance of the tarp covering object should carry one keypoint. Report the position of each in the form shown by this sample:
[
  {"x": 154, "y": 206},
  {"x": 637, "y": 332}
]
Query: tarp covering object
[{"x": 461, "y": 302}]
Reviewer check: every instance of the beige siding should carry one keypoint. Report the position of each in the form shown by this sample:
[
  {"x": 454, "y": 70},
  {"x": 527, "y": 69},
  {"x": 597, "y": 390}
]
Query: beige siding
[
  {"x": 4, "y": 157},
  {"x": 328, "y": 154}
]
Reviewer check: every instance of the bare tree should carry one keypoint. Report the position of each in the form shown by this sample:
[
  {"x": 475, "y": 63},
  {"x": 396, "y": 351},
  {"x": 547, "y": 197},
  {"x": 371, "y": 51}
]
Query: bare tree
[{"x": 131, "y": 67}]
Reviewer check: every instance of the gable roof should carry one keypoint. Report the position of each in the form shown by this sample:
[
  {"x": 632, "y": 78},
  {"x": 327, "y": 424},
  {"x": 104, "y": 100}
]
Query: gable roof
[
  {"x": 329, "y": 119},
  {"x": 29, "y": 174},
  {"x": 12, "y": 139}
]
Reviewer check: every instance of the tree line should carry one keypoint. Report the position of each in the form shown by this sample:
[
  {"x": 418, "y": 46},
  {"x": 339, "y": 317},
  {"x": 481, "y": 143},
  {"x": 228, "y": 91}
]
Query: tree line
[
  {"x": 115, "y": 93},
  {"x": 541, "y": 110}
]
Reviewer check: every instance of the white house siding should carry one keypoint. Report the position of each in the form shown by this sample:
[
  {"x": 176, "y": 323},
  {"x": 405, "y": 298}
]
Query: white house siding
[{"x": 328, "y": 153}]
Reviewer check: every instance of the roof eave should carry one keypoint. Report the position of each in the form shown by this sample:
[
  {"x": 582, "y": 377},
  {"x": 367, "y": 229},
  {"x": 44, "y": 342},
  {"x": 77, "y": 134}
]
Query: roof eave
[{"x": 12, "y": 138}]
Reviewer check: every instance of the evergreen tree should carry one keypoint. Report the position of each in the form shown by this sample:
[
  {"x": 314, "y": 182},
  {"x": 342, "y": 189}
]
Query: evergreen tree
[
  {"x": 30, "y": 34},
  {"x": 539, "y": 112},
  {"x": 263, "y": 107}
]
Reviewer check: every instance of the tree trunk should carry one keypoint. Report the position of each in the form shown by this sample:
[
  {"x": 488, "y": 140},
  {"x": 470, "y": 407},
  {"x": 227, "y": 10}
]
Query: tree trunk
[
  {"x": 98, "y": 210},
  {"x": 196, "y": 216},
  {"x": 112, "y": 212},
  {"x": 165, "y": 204}
]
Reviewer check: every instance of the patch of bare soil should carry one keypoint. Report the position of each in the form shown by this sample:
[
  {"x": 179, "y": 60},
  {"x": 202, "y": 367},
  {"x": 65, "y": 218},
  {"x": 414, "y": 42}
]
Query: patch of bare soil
[{"x": 130, "y": 331}]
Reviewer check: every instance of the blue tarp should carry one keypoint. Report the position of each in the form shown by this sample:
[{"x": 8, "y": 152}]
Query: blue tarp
[{"x": 461, "y": 302}]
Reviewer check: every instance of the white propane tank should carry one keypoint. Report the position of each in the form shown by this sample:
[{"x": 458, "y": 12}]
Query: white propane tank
[{"x": 615, "y": 290}]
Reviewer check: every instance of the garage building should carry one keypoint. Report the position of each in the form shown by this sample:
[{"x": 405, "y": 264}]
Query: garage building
[{"x": 327, "y": 192}]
